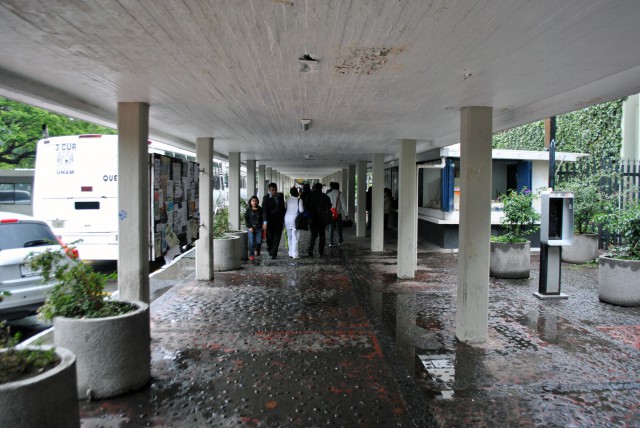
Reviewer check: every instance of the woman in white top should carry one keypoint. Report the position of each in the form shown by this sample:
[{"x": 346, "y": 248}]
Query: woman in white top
[{"x": 294, "y": 206}]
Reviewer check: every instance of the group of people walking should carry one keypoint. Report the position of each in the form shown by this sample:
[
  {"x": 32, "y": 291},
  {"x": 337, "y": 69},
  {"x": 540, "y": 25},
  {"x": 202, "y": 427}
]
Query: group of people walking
[{"x": 276, "y": 214}]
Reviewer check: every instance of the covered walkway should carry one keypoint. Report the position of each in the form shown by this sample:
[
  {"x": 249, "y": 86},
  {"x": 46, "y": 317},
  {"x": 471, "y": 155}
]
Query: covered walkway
[{"x": 341, "y": 341}]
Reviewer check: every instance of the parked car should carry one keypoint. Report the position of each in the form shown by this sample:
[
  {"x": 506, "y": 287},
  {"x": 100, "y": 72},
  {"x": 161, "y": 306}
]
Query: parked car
[{"x": 21, "y": 235}]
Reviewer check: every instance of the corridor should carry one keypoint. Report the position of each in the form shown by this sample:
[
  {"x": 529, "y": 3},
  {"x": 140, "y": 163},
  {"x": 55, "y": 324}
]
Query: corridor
[{"x": 340, "y": 341}]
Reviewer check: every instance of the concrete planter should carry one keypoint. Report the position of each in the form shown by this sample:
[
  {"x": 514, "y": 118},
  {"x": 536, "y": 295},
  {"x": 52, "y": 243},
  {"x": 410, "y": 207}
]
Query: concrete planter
[
  {"x": 619, "y": 281},
  {"x": 510, "y": 260},
  {"x": 583, "y": 249},
  {"x": 45, "y": 400},
  {"x": 225, "y": 253},
  {"x": 243, "y": 247},
  {"x": 113, "y": 353}
]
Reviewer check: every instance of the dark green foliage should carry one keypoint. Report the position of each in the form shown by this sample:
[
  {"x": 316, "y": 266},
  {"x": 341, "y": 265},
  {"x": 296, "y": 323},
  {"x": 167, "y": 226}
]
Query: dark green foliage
[
  {"x": 21, "y": 128},
  {"x": 18, "y": 364},
  {"x": 595, "y": 130},
  {"x": 625, "y": 222},
  {"x": 519, "y": 218},
  {"x": 591, "y": 187},
  {"x": 79, "y": 290},
  {"x": 221, "y": 222}
]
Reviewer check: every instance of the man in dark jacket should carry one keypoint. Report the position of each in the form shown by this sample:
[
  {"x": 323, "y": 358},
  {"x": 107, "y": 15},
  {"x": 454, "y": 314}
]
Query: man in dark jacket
[
  {"x": 317, "y": 203},
  {"x": 273, "y": 210}
]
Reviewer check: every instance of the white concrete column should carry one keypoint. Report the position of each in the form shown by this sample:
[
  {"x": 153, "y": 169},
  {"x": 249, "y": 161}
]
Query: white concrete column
[
  {"x": 407, "y": 211},
  {"x": 234, "y": 190},
  {"x": 251, "y": 178},
  {"x": 351, "y": 191},
  {"x": 274, "y": 177},
  {"x": 262, "y": 180},
  {"x": 361, "y": 219},
  {"x": 472, "y": 317},
  {"x": 204, "y": 244},
  {"x": 631, "y": 128},
  {"x": 133, "y": 201},
  {"x": 377, "y": 204},
  {"x": 269, "y": 174}
]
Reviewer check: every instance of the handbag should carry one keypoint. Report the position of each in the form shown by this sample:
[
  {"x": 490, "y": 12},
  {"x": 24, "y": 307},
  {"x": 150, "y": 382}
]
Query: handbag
[
  {"x": 302, "y": 221},
  {"x": 334, "y": 211}
]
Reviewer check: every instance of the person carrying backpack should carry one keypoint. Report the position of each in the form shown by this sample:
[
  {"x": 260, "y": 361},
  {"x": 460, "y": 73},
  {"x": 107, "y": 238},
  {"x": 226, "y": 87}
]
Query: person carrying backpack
[{"x": 319, "y": 206}]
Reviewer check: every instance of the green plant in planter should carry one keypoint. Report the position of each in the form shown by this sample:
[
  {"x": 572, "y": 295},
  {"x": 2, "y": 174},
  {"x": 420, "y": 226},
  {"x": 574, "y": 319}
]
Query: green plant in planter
[
  {"x": 78, "y": 291},
  {"x": 590, "y": 199},
  {"x": 520, "y": 218},
  {"x": 21, "y": 363},
  {"x": 625, "y": 222},
  {"x": 221, "y": 222}
]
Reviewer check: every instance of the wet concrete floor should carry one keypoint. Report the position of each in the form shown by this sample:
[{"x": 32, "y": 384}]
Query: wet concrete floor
[{"x": 340, "y": 341}]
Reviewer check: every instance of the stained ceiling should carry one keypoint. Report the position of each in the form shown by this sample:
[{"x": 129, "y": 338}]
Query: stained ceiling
[{"x": 366, "y": 73}]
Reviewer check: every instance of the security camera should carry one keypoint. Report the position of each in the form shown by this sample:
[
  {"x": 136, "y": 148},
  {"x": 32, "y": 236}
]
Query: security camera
[{"x": 306, "y": 124}]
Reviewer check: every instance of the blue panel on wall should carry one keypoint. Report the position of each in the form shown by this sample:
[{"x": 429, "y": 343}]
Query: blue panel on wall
[
  {"x": 524, "y": 175},
  {"x": 447, "y": 186}
]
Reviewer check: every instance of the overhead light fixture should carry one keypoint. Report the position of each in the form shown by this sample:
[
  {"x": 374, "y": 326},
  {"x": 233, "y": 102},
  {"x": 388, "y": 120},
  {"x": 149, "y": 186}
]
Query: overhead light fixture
[{"x": 306, "y": 124}]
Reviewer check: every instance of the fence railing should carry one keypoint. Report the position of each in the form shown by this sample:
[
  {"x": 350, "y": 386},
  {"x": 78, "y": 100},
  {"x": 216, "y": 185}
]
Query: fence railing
[{"x": 620, "y": 178}]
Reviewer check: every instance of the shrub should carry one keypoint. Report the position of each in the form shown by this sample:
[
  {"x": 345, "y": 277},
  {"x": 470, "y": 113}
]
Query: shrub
[
  {"x": 625, "y": 222},
  {"x": 520, "y": 218},
  {"x": 21, "y": 363},
  {"x": 78, "y": 291}
]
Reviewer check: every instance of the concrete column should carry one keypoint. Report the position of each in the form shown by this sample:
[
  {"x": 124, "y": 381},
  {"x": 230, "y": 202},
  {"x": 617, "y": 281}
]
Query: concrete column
[
  {"x": 351, "y": 191},
  {"x": 377, "y": 204},
  {"x": 267, "y": 177},
  {"x": 204, "y": 244},
  {"x": 133, "y": 201},
  {"x": 274, "y": 177},
  {"x": 631, "y": 128},
  {"x": 361, "y": 219},
  {"x": 407, "y": 211},
  {"x": 472, "y": 317},
  {"x": 262, "y": 187},
  {"x": 251, "y": 178},
  {"x": 234, "y": 190}
]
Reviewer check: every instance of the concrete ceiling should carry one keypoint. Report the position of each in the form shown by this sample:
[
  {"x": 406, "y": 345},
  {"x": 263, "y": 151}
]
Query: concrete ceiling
[{"x": 380, "y": 71}]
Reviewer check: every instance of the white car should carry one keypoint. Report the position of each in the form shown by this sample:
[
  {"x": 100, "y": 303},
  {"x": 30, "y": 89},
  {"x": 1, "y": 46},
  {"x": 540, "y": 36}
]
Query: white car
[{"x": 21, "y": 235}]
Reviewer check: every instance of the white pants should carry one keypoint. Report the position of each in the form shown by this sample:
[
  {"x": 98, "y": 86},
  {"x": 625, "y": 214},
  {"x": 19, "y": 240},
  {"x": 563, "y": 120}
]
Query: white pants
[{"x": 293, "y": 235}]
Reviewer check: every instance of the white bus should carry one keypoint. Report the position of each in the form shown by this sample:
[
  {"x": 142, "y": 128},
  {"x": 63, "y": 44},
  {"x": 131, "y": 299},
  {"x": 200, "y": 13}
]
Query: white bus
[{"x": 76, "y": 193}]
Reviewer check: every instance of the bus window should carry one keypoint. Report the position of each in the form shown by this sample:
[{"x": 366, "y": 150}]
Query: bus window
[{"x": 87, "y": 205}]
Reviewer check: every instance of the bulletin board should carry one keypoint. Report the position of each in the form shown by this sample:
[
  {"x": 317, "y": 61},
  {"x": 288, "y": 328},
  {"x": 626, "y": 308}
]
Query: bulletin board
[{"x": 174, "y": 205}]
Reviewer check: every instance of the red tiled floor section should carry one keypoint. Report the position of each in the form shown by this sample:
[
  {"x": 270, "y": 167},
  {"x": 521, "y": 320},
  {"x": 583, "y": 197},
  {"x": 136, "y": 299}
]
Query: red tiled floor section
[{"x": 629, "y": 334}]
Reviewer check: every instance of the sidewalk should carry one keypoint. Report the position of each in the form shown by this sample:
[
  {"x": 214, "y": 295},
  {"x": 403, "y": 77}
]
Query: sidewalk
[{"x": 340, "y": 341}]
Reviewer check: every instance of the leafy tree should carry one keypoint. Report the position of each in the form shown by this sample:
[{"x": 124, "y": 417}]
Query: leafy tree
[
  {"x": 595, "y": 130},
  {"x": 21, "y": 128}
]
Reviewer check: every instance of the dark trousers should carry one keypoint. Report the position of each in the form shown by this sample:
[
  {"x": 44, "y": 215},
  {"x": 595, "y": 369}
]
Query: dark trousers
[
  {"x": 274, "y": 233},
  {"x": 336, "y": 225},
  {"x": 317, "y": 229}
]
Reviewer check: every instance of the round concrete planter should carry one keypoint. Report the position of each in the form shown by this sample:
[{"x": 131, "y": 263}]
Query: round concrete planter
[
  {"x": 510, "y": 260},
  {"x": 583, "y": 249},
  {"x": 243, "y": 247},
  {"x": 113, "y": 353},
  {"x": 225, "y": 253},
  {"x": 619, "y": 281},
  {"x": 48, "y": 399}
]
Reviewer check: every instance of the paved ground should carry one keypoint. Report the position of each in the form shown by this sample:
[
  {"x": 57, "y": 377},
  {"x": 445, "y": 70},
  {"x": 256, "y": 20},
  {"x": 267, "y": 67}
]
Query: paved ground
[{"x": 340, "y": 341}]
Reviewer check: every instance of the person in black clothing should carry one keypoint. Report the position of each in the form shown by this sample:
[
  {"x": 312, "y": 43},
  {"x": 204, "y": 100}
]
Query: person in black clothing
[
  {"x": 316, "y": 203},
  {"x": 273, "y": 213},
  {"x": 255, "y": 223}
]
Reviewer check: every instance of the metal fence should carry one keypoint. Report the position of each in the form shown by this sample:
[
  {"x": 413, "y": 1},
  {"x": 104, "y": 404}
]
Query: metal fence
[{"x": 619, "y": 178}]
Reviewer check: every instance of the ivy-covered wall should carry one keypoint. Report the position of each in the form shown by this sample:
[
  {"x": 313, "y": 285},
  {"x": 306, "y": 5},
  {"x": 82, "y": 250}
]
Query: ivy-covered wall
[{"x": 595, "y": 130}]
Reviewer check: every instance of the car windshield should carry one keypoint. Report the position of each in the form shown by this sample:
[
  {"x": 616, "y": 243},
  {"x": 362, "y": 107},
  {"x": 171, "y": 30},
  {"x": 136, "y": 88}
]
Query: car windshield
[{"x": 25, "y": 234}]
